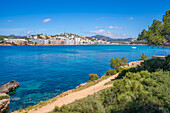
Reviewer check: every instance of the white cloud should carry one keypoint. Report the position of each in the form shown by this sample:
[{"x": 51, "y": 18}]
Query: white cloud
[
  {"x": 9, "y": 20},
  {"x": 47, "y": 20},
  {"x": 108, "y": 33},
  {"x": 116, "y": 27},
  {"x": 131, "y": 18},
  {"x": 29, "y": 32},
  {"x": 96, "y": 27}
]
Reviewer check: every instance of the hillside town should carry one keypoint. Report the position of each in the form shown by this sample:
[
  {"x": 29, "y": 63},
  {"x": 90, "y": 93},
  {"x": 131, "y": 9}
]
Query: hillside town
[{"x": 62, "y": 39}]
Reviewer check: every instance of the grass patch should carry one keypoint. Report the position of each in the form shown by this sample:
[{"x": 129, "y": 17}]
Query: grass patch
[{"x": 4, "y": 97}]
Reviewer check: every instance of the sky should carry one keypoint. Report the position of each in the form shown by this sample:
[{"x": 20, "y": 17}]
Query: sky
[{"x": 113, "y": 18}]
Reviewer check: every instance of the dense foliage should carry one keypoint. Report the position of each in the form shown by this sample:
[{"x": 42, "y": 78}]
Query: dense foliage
[
  {"x": 157, "y": 32},
  {"x": 143, "y": 57},
  {"x": 93, "y": 77},
  {"x": 138, "y": 92},
  {"x": 150, "y": 65},
  {"x": 118, "y": 63},
  {"x": 110, "y": 72},
  {"x": 143, "y": 89},
  {"x": 86, "y": 105}
]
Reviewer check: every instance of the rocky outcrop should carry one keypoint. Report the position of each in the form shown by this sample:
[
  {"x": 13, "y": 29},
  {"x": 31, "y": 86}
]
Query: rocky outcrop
[
  {"x": 135, "y": 63},
  {"x": 10, "y": 86},
  {"x": 4, "y": 98},
  {"x": 4, "y": 101}
]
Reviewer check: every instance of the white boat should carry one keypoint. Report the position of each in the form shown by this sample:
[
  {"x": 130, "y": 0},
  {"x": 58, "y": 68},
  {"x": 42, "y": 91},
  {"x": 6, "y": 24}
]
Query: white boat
[{"x": 133, "y": 47}]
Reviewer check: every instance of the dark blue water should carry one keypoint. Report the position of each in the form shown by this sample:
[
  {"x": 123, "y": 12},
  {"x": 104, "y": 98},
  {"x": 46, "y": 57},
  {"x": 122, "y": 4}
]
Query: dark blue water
[{"x": 46, "y": 71}]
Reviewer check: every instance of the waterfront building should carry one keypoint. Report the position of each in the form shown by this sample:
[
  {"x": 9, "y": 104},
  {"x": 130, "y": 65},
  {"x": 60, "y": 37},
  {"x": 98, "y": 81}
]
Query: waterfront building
[
  {"x": 77, "y": 40},
  {"x": 15, "y": 41},
  {"x": 39, "y": 41},
  {"x": 64, "y": 39}
]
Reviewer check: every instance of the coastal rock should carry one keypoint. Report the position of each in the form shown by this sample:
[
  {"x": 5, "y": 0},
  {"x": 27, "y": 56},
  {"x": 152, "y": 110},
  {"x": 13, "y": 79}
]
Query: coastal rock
[
  {"x": 10, "y": 86},
  {"x": 4, "y": 101},
  {"x": 81, "y": 85},
  {"x": 135, "y": 63}
]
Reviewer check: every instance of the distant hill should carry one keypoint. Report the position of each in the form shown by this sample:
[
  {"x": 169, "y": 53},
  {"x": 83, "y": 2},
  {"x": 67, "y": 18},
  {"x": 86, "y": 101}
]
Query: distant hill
[
  {"x": 104, "y": 38},
  {"x": 11, "y": 36}
]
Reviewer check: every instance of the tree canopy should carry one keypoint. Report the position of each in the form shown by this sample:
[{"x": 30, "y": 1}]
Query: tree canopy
[
  {"x": 157, "y": 33},
  {"x": 143, "y": 57},
  {"x": 117, "y": 63}
]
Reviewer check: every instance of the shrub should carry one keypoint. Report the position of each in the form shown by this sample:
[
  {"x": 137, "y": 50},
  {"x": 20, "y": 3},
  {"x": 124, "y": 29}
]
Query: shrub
[
  {"x": 93, "y": 77},
  {"x": 86, "y": 105},
  {"x": 56, "y": 109},
  {"x": 119, "y": 69},
  {"x": 151, "y": 65},
  {"x": 136, "y": 92},
  {"x": 4, "y": 97},
  {"x": 116, "y": 62},
  {"x": 143, "y": 57},
  {"x": 110, "y": 72},
  {"x": 167, "y": 63}
]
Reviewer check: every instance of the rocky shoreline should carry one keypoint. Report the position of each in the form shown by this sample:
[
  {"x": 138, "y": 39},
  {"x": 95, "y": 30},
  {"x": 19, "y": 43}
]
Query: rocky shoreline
[{"x": 4, "y": 97}]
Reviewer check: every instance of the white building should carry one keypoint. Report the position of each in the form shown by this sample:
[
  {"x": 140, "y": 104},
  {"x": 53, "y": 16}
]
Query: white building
[
  {"x": 69, "y": 42},
  {"x": 15, "y": 41},
  {"x": 77, "y": 40},
  {"x": 39, "y": 41},
  {"x": 54, "y": 42},
  {"x": 62, "y": 37}
]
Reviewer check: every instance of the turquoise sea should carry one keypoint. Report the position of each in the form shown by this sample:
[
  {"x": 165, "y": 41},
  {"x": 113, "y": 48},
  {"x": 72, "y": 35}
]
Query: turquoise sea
[{"x": 46, "y": 71}]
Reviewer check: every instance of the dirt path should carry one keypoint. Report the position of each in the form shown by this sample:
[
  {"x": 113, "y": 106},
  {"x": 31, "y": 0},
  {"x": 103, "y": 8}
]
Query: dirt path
[{"x": 74, "y": 96}]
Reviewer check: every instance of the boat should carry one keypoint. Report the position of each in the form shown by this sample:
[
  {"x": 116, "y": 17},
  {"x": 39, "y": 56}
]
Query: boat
[{"x": 133, "y": 47}]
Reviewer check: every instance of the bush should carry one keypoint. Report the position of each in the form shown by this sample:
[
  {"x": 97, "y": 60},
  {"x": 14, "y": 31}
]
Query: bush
[
  {"x": 167, "y": 63},
  {"x": 151, "y": 65},
  {"x": 110, "y": 72},
  {"x": 155, "y": 64},
  {"x": 86, "y": 105},
  {"x": 119, "y": 69},
  {"x": 4, "y": 97},
  {"x": 143, "y": 57},
  {"x": 138, "y": 92},
  {"x": 93, "y": 77},
  {"x": 116, "y": 62}
]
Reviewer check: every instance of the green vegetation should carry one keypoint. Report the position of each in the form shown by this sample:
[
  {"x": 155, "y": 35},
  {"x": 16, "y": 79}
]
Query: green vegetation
[
  {"x": 138, "y": 92},
  {"x": 118, "y": 63},
  {"x": 150, "y": 65},
  {"x": 166, "y": 20},
  {"x": 156, "y": 34},
  {"x": 11, "y": 37},
  {"x": 110, "y": 72},
  {"x": 141, "y": 89},
  {"x": 2, "y": 37},
  {"x": 4, "y": 97},
  {"x": 143, "y": 57},
  {"x": 86, "y": 105},
  {"x": 93, "y": 77}
]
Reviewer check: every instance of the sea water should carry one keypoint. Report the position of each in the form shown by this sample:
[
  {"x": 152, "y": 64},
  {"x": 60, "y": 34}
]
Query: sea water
[{"x": 46, "y": 71}]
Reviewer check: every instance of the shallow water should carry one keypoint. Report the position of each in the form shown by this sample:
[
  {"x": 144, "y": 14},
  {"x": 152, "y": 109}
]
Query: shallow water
[{"x": 46, "y": 71}]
